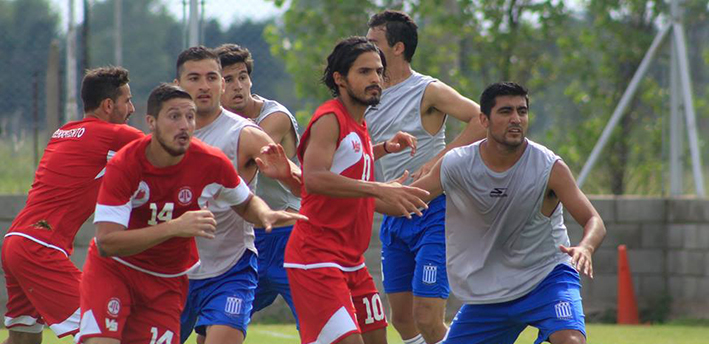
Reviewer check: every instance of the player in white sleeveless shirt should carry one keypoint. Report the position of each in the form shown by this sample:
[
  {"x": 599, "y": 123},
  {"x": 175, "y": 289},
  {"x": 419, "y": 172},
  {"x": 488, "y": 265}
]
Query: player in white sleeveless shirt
[
  {"x": 222, "y": 289},
  {"x": 413, "y": 251},
  {"x": 281, "y": 126},
  {"x": 507, "y": 250}
]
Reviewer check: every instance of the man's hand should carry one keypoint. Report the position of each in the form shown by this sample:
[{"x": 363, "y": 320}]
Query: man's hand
[
  {"x": 195, "y": 223},
  {"x": 273, "y": 162},
  {"x": 423, "y": 170},
  {"x": 270, "y": 217},
  {"x": 405, "y": 198},
  {"x": 580, "y": 258},
  {"x": 399, "y": 142}
]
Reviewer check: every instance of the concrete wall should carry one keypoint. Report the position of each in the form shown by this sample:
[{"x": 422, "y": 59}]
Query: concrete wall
[{"x": 668, "y": 250}]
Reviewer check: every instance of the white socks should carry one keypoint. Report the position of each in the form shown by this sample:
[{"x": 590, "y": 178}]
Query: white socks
[{"x": 416, "y": 340}]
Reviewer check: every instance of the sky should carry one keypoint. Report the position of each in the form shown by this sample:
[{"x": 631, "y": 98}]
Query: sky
[{"x": 226, "y": 11}]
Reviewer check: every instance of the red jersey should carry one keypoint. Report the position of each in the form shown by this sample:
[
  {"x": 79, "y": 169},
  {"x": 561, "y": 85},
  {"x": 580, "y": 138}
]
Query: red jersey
[
  {"x": 339, "y": 229},
  {"x": 137, "y": 194},
  {"x": 67, "y": 181}
]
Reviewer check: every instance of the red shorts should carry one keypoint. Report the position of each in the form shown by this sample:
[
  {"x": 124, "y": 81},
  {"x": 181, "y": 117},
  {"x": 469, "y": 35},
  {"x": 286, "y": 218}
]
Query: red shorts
[
  {"x": 332, "y": 304},
  {"x": 42, "y": 287},
  {"x": 121, "y": 303}
]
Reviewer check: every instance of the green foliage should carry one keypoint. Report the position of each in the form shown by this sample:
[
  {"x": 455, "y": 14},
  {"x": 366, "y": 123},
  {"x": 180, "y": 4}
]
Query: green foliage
[{"x": 152, "y": 39}]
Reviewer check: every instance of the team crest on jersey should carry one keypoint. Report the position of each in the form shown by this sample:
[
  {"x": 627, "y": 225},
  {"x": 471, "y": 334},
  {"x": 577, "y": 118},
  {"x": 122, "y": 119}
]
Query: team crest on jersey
[
  {"x": 429, "y": 274},
  {"x": 563, "y": 310},
  {"x": 141, "y": 196},
  {"x": 233, "y": 305},
  {"x": 498, "y": 192},
  {"x": 184, "y": 195},
  {"x": 113, "y": 307},
  {"x": 356, "y": 146}
]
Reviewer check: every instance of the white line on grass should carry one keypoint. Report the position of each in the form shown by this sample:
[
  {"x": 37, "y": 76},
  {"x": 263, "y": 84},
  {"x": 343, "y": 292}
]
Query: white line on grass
[{"x": 277, "y": 334}]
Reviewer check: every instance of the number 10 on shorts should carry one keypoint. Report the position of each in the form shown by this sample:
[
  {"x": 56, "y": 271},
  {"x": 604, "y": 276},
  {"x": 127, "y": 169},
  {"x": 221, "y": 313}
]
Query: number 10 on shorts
[{"x": 375, "y": 310}]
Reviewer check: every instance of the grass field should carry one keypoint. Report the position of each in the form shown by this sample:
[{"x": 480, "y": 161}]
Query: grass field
[{"x": 597, "y": 334}]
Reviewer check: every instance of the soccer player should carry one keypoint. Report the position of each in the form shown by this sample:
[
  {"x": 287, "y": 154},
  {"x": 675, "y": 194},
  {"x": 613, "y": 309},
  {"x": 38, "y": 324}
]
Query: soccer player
[
  {"x": 333, "y": 293},
  {"x": 413, "y": 250},
  {"x": 42, "y": 283},
  {"x": 152, "y": 203},
  {"x": 508, "y": 252},
  {"x": 228, "y": 274},
  {"x": 281, "y": 126}
]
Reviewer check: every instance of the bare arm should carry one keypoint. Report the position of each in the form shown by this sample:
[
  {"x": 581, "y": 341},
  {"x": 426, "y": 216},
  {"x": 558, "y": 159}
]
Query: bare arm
[
  {"x": 256, "y": 211},
  {"x": 251, "y": 148},
  {"x": 562, "y": 183},
  {"x": 431, "y": 182},
  {"x": 113, "y": 239},
  {"x": 277, "y": 125},
  {"x": 448, "y": 101},
  {"x": 318, "y": 179},
  {"x": 396, "y": 144}
]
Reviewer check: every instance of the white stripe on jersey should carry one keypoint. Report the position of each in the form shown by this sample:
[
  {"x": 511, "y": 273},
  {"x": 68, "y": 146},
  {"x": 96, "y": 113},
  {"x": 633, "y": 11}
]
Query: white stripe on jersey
[
  {"x": 109, "y": 155},
  {"x": 348, "y": 153},
  {"x": 119, "y": 214},
  {"x": 223, "y": 197},
  {"x": 37, "y": 241}
]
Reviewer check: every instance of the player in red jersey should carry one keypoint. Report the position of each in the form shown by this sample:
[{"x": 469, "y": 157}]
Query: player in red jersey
[
  {"x": 324, "y": 256},
  {"x": 151, "y": 205},
  {"x": 42, "y": 283}
]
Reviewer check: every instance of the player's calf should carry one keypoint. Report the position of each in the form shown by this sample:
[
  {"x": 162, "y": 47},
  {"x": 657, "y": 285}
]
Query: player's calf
[
  {"x": 429, "y": 315},
  {"x": 17, "y": 337}
]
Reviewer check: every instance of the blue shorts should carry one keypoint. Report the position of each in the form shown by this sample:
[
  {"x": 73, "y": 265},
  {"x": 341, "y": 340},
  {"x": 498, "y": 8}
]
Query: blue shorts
[
  {"x": 272, "y": 277},
  {"x": 226, "y": 299},
  {"x": 414, "y": 252},
  {"x": 554, "y": 305}
]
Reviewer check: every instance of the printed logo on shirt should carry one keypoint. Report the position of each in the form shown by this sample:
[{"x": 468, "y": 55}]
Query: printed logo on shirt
[
  {"x": 233, "y": 305},
  {"x": 113, "y": 307},
  {"x": 141, "y": 195},
  {"x": 563, "y": 310},
  {"x": 429, "y": 274},
  {"x": 498, "y": 192},
  {"x": 184, "y": 196},
  {"x": 356, "y": 146}
]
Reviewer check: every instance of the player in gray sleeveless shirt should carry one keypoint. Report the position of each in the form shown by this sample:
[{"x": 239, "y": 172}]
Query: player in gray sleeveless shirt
[
  {"x": 281, "y": 126},
  {"x": 507, "y": 250},
  {"x": 413, "y": 251},
  {"x": 222, "y": 289}
]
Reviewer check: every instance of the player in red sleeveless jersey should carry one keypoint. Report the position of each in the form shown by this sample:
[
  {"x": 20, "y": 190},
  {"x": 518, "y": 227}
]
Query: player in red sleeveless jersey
[
  {"x": 42, "y": 283},
  {"x": 150, "y": 207},
  {"x": 334, "y": 294}
]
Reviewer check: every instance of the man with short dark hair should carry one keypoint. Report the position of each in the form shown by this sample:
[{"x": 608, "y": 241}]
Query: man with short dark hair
[
  {"x": 152, "y": 204},
  {"x": 413, "y": 251},
  {"x": 229, "y": 273},
  {"x": 333, "y": 292},
  {"x": 42, "y": 283},
  {"x": 282, "y": 127},
  {"x": 508, "y": 252}
]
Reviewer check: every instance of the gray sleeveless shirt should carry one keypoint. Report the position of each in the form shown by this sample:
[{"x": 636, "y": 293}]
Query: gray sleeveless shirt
[
  {"x": 499, "y": 245},
  {"x": 234, "y": 235},
  {"x": 276, "y": 195},
  {"x": 400, "y": 110}
]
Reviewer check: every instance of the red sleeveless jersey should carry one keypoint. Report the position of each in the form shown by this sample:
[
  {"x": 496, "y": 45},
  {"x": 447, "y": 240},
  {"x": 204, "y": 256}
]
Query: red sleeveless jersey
[
  {"x": 137, "y": 194},
  {"x": 67, "y": 181},
  {"x": 339, "y": 229}
]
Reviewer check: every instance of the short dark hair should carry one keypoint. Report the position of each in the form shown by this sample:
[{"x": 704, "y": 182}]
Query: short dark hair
[
  {"x": 231, "y": 54},
  {"x": 197, "y": 53},
  {"x": 102, "y": 83},
  {"x": 399, "y": 28},
  {"x": 507, "y": 88},
  {"x": 343, "y": 57},
  {"x": 162, "y": 93}
]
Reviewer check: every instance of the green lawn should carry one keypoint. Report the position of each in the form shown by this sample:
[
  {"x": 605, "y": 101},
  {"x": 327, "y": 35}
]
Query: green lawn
[{"x": 598, "y": 334}]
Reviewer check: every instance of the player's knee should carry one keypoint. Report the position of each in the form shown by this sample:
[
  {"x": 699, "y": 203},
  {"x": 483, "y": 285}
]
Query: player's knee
[
  {"x": 427, "y": 317},
  {"x": 567, "y": 337},
  {"x": 401, "y": 319},
  {"x": 16, "y": 337}
]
